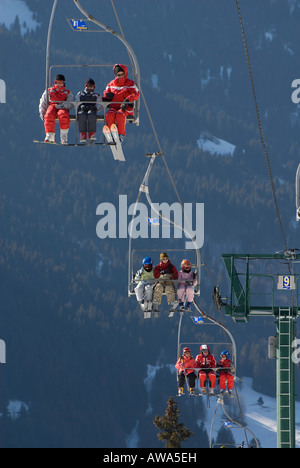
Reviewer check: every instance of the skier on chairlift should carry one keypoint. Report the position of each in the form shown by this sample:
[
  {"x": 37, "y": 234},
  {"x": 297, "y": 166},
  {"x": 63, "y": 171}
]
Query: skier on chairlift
[
  {"x": 87, "y": 112},
  {"x": 226, "y": 374},
  {"x": 121, "y": 92},
  {"x": 187, "y": 280},
  {"x": 55, "y": 103},
  {"x": 185, "y": 367},
  {"x": 165, "y": 272},
  {"x": 144, "y": 289},
  {"x": 206, "y": 363}
]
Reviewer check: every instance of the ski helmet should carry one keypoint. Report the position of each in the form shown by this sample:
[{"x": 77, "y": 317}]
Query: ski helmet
[
  {"x": 60, "y": 78},
  {"x": 186, "y": 350},
  {"x": 225, "y": 353},
  {"x": 147, "y": 264},
  {"x": 204, "y": 347},
  {"x": 186, "y": 265}
]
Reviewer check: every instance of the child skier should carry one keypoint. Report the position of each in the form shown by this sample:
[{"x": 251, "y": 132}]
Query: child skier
[
  {"x": 55, "y": 103},
  {"x": 187, "y": 280},
  {"x": 226, "y": 375},
  {"x": 185, "y": 367},
  {"x": 144, "y": 290},
  {"x": 165, "y": 272},
  {"x": 87, "y": 113},
  {"x": 206, "y": 362},
  {"x": 121, "y": 92}
]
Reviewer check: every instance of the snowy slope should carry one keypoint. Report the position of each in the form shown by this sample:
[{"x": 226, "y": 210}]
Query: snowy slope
[
  {"x": 259, "y": 418},
  {"x": 12, "y": 8},
  {"x": 215, "y": 145},
  {"x": 259, "y": 412}
]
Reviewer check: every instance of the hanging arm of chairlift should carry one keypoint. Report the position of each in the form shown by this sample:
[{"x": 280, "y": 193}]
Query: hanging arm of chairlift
[{"x": 122, "y": 39}]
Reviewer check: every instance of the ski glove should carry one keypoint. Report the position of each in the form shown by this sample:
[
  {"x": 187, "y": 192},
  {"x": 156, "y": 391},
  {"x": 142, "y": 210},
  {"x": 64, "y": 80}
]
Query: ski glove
[{"x": 109, "y": 97}]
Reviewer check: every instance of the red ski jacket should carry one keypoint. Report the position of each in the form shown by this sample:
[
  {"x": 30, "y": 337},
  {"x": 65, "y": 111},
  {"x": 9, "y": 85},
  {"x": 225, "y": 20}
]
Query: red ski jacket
[
  {"x": 185, "y": 364},
  {"x": 225, "y": 364},
  {"x": 205, "y": 361},
  {"x": 122, "y": 88},
  {"x": 165, "y": 269},
  {"x": 55, "y": 93},
  {"x": 58, "y": 93}
]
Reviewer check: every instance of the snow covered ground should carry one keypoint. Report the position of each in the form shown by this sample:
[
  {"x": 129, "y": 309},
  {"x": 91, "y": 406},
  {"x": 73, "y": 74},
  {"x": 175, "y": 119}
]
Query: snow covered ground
[
  {"x": 12, "y": 8},
  {"x": 259, "y": 410},
  {"x": 260, "y": 418},
  {"x": 215, "y": 145}
]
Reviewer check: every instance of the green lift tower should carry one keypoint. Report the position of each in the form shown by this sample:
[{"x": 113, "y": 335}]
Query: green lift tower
[{"x": 257, "y": 291}]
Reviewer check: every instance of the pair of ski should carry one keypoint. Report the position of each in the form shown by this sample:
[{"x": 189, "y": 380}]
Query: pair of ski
[{"x": 112, "y": 137}]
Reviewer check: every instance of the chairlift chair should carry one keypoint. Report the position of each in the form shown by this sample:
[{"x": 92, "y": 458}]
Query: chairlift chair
[
  {"x": 136, "y": 257},
  {"x": 83, "y": 26}
]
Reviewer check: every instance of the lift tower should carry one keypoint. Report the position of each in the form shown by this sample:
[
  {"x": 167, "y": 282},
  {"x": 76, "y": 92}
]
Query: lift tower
[{"x": 256, "y": 291}]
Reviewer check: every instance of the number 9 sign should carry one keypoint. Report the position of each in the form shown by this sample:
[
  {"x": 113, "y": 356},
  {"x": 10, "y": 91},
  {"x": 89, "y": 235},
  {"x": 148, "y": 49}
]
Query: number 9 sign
[{"x": 286, "y": 280}]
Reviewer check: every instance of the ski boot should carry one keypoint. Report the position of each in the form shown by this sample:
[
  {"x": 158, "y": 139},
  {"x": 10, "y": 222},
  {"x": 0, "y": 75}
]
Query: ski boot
[
  {"x": 50, "y": 138},
  {"x": 172, "y": 306},
  {"x": 180, "y": 391},
  {"x": 155, "y": 309},
  {"x": 64, "y": 136},
  {"x": 92, "y": 136},
  {"x": 147, "y": 309},
  {"x": 82, "y": 137},
  {"x": 148, "y": 306},
  {"x": 192, "y": 391}
]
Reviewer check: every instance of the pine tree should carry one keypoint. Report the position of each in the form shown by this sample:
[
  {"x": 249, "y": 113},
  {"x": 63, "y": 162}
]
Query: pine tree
[{"x": 171, "y": 431}]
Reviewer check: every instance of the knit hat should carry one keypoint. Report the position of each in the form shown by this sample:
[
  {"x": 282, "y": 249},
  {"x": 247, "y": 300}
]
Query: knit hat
[
  {"x": 163, "y": 256},
  {"x": 118, "y": 69},
  {"x": 59, "y": 78},
  {"x": 90, "y": 81}
]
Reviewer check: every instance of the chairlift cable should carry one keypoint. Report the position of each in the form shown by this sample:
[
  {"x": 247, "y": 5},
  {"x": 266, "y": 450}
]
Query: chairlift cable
[
  {"x": 262, "y": 136},
  {"x": 259, "y": 122}
]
